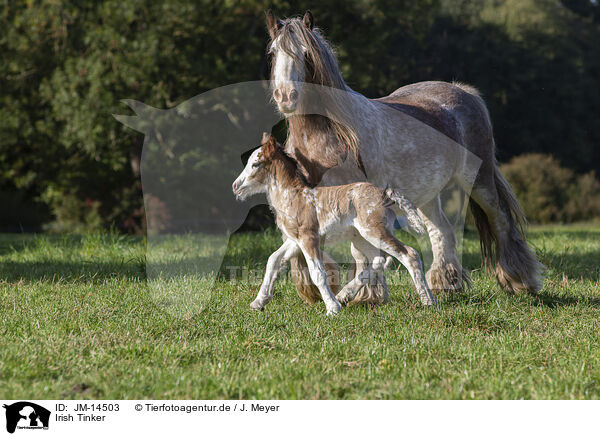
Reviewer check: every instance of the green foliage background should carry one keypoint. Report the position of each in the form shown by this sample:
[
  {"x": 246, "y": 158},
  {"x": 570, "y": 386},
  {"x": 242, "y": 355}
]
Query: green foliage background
[{"x": 66, "y": 65}]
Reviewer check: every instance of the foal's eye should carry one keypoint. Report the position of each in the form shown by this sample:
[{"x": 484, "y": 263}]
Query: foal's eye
[{"x": 258, "y": 165}]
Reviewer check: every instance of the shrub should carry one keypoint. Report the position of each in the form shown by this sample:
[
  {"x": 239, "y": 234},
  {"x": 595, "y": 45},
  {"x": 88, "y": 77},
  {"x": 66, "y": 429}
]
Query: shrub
[
  {"x": 549, "y": 192},
  {"x": 585, "y": 199}
]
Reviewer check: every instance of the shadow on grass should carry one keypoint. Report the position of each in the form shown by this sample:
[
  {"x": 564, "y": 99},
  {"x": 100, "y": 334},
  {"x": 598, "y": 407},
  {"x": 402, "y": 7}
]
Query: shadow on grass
[
  {"x": 82, "y": 272},
  {"x": 543, "y": 299},
  {"x": 19, "y": 242},
  {"x": 462, "y": 298},
  {"x": 34, "y": 257},
  {"x": 574, "y": 265},
  {"x": 550, "y": 300},
  {"x": 249, "y": 250},
  {"x": 35, "y": 265},
  {"x": 554, "y": 301}
]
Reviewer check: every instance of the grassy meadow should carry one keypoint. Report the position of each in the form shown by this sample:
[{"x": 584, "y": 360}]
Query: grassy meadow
[{"x": 81, "y": 319}]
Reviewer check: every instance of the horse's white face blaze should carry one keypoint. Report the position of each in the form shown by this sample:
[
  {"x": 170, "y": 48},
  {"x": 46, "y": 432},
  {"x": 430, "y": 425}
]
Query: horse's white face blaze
[
  {"x": 288, "y": 75},
  {"x": 252, "y": 180}
]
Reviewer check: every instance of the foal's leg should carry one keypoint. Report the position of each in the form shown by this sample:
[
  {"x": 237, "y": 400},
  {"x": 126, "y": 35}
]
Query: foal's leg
[
  {"x": 408, "y": 256},
  {"x": 446, "y": 272},
  {"x": 311, "y": 249},
  {"x": 301, "y": 277},
  {"x": 274, "y": 264},
  {"x": 373, "y": 265}
]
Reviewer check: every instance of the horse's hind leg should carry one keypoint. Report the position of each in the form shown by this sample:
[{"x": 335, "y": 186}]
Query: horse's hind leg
[{"x": 446, "y": 272}]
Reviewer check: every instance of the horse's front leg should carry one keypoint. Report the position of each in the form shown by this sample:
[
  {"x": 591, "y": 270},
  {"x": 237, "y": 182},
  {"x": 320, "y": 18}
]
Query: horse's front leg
[
  {"x": 288, "y": 249},
  {"x": 312, "y": 252}
]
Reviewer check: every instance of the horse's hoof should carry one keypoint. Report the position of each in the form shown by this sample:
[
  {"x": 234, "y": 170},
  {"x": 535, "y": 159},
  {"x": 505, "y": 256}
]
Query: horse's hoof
[
  {"x": 343, "y": 300},
  {"x": 448, "y": 279},
  {"x": 257, "y": 306}
]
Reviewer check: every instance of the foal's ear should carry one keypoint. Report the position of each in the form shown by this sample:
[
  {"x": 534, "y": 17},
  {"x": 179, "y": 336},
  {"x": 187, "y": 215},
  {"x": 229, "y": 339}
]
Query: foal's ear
[
  {"x": 273, "y": 24},
  {"x": 308, "y": 20},
  {"x": 269, "y": 147},
  {"x": 265, "y": 137}
]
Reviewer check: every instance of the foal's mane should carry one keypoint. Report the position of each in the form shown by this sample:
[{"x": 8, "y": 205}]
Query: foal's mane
[
  {"x": 333, "y": 95},
  {"x": 282, "y": 164}
]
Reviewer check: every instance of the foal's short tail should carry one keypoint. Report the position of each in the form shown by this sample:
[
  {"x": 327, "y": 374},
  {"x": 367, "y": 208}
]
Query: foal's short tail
[
  {"x": 517, "y": 268},
  {"x": 403, "y": 205}
]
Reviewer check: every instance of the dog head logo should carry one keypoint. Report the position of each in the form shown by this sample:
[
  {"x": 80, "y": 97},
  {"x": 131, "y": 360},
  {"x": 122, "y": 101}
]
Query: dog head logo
[
  {"x": 26, "y": 415},
  {"x": 191, "y": 154}
]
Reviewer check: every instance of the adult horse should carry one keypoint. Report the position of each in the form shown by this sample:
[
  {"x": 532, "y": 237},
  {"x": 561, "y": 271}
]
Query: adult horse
[{"x": 395, "y": 150}]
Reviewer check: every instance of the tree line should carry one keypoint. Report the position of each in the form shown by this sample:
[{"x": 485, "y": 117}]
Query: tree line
[{"x": 66, "y": 164}]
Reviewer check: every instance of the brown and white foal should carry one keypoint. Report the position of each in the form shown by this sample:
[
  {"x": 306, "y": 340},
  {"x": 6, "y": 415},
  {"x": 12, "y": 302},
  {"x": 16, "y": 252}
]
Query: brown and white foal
[{"x": 359, "y": 212}]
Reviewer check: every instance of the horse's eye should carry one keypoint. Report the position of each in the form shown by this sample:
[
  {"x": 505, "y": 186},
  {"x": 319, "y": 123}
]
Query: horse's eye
[{"x": 258, "y": 164}]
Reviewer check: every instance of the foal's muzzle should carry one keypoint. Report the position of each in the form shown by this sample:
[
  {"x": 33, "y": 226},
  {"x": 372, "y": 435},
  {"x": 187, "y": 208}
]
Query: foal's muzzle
[{"x": 236, "y": 186}]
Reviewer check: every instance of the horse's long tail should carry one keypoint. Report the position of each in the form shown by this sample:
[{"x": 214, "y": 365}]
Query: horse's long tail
[
  {"x": 503, "y": 242},
  {"x": 501, "y": 224}
]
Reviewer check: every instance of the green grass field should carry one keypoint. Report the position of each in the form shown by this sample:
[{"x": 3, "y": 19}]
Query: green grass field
[{"x": 80, "y": 320}]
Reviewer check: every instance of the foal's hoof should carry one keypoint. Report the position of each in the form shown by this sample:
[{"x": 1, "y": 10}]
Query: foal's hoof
[
  {"x": 334, "y": 309},
  {"x": 255, "y": 305},
  {"x": 430, "y": 303}
]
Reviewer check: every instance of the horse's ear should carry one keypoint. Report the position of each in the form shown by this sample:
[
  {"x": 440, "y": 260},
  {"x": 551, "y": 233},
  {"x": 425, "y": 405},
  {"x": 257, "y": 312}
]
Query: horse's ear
[
  {"x": 273, "y": 24},
  {"x": 308, "y": 20},
  {"x": 265, "y": 137}
]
